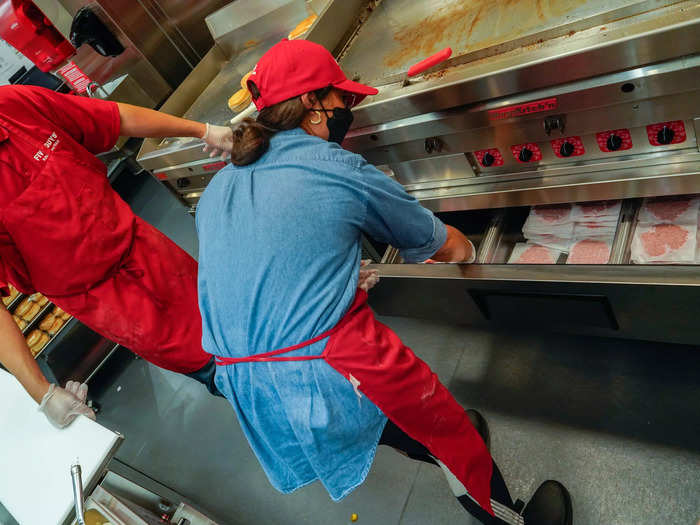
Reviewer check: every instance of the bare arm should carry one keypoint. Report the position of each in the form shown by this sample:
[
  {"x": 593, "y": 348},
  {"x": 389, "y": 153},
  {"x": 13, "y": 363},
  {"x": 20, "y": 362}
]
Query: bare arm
[
  {"x": 16, "y": 357},
  {"x": 455, "y": 249},
  {"x": 142, "y": 122}
]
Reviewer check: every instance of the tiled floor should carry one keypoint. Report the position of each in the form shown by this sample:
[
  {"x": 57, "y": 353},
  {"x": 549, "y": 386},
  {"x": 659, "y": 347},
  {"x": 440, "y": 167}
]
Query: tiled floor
[{"x": 617, "y": 421}]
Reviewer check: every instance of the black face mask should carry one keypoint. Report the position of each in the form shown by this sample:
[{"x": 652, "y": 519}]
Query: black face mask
[{"x": 338, "y": 123}]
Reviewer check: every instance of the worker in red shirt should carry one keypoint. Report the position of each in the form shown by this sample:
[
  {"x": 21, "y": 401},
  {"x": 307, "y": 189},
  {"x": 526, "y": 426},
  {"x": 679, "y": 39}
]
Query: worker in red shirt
[{"x": 66, "y": 233}]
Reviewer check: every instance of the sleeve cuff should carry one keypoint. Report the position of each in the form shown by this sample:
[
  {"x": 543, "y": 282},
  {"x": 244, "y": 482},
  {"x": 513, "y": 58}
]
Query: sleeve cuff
[{"x": 420, "y": 254}]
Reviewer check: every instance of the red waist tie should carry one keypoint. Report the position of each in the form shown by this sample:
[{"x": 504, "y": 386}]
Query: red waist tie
[
  {"x": 359, "y": 301},
  {"x": 270, "y": 356}
]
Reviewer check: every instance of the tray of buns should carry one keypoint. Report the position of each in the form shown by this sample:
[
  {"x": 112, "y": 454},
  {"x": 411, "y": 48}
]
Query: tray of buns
[
  {"x": 13, "y": 299},
  {"x": 45, "y": 328},
  {"x": 30, "y": 310},
  {"x": 38, "y": 319}
]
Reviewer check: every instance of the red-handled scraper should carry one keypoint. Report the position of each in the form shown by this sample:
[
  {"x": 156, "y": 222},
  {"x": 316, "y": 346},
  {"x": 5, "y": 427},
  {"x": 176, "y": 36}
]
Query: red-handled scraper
[{"x": 426, "y": 64}]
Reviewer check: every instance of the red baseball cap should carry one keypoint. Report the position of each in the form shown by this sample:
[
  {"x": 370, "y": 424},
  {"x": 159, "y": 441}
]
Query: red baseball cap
[{"x": 293, "y": 67}]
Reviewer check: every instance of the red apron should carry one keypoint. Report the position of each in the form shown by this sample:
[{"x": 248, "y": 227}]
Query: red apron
[
  {"x": 77, "y": 242},
  {"x": 373, "y": 358}
]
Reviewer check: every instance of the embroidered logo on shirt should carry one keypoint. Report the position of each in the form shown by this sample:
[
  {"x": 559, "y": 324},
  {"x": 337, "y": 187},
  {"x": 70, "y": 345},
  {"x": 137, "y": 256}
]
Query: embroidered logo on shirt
[
  {"x": 50, "y": 144},
  {"x": 355, "y": 384},
  {"x": 52, "y": 141}
]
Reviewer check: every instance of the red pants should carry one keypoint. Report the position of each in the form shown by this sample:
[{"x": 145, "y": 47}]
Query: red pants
[{"x": 149, "y": 305}]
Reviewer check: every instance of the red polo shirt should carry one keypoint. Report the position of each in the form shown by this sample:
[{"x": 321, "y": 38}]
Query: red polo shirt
[{"x": 91, "y": 125}]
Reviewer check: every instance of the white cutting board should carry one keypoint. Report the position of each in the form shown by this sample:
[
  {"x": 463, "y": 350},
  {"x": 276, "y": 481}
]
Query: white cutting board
[{"x": 35, "y": 457}]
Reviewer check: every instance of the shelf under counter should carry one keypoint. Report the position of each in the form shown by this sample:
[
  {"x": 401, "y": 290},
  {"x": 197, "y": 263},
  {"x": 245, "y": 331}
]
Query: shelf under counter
[{"x": 648, "y": 302}]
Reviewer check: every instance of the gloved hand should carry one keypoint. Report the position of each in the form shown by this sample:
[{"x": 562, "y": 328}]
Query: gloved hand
[
  {"x": 62, "y": 405},
  {"x": 368, "y": 278},
  {"x": 472, "y": 257},
  {"x": 219, "y": 140}
]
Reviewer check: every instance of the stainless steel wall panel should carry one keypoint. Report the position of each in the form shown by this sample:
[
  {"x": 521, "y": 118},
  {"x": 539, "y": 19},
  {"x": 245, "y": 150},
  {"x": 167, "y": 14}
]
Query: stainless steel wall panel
[
  {"x": 170, "y": 34},
  {"x": 249, "y": 24},
  {"x": 141, "y": 28},
  {"x": 132, "y": 61},
  {"x": 185, "y": 19}
]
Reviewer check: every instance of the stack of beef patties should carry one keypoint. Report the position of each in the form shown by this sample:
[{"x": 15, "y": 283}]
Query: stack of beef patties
[
  {"x": 595, "y": 224},
  {"x": 667, "y": 231},
  {"x": 548, "y": 230},
  {"x": 584, "y": 231}
]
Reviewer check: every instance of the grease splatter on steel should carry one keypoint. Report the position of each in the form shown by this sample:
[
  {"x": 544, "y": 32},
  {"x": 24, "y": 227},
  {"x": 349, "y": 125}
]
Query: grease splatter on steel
[
  {"x": 475, "y": 20},
  {"x": 422, "y": 39},
  {"x": 468, "y": 26}
]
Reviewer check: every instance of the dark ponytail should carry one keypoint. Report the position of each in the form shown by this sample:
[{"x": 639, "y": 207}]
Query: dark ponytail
[{"x": 251, "y": 138}]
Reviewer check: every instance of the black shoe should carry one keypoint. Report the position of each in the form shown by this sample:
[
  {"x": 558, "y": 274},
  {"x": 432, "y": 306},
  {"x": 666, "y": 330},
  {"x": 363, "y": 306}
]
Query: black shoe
[
  {"x": 549, "y": 505},
  {"x": 481, "y": 426}
]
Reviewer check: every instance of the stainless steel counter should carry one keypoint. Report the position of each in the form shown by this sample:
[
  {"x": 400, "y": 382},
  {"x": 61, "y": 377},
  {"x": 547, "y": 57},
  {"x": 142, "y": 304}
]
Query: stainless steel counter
[{"x": 607, "y": 274}]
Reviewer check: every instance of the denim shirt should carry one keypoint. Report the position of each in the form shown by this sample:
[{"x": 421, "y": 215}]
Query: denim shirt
[{"x": 279, "y": 253}]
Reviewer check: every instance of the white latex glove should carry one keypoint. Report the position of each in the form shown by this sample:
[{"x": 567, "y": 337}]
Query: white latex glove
[
  {"x": 368, "y": 278},
  {"x": 62, "y": 405},
  {"x": 219, "y": 140},
  {"x": 473, "y": 257},
  {"x": 467, "y": 261}
]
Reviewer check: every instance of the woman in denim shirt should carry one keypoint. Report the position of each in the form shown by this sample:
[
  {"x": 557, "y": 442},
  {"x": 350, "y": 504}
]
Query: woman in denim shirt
[{"x": 317, "y": 383}]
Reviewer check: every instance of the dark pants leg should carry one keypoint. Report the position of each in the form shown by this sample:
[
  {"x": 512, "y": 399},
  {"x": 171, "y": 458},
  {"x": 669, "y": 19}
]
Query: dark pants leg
[
  {"x": 394, "y": 437},
  {"x": 205, "y": 375}
]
